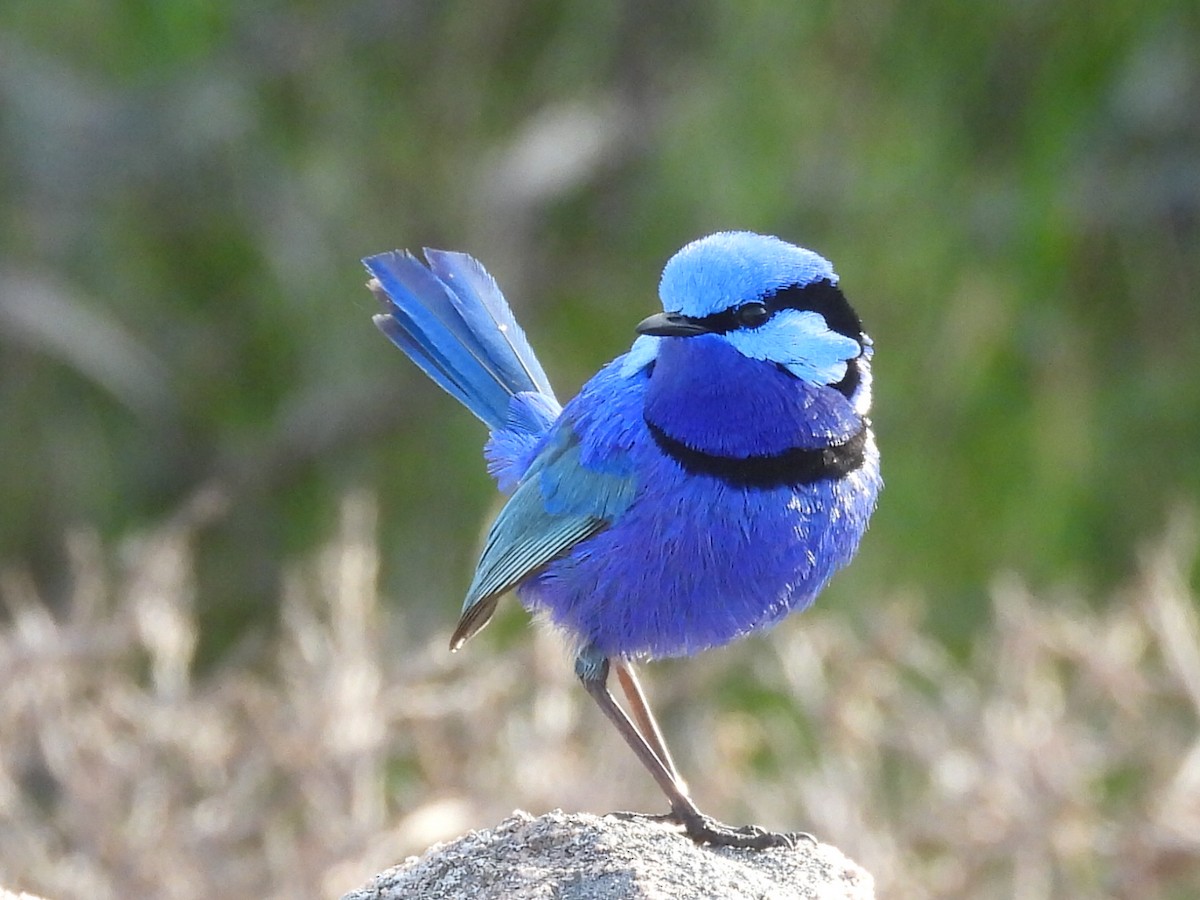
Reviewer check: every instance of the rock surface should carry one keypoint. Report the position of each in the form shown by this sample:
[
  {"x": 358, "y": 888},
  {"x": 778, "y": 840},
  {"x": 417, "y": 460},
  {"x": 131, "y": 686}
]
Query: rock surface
[{"x": 585, "y": 857}]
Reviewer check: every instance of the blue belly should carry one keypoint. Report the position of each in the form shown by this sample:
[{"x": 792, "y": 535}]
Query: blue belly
[{"x": 695, "y": 563}]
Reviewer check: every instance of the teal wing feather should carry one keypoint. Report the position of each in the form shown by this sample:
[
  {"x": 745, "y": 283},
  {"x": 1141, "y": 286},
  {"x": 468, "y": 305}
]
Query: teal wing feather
[{"x": 558, "y": 503}]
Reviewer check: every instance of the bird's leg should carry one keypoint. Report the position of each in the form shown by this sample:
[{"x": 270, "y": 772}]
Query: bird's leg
[
  {"x": 648, "y": 726},
  {"x": 592, "y": 667}
]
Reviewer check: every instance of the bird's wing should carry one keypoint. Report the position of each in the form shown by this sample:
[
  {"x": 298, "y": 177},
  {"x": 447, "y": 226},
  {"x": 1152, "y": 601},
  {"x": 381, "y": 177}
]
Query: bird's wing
[{"x": 558, "y": 503}]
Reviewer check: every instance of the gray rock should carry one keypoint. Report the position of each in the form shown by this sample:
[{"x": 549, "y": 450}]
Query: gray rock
[{"x": 585, "y": 857}]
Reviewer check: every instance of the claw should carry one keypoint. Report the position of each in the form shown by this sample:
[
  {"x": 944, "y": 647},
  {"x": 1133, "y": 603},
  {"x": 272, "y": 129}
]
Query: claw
[
  {"x": 747, "y": 837},
  {"x": 706, "y": 830}
]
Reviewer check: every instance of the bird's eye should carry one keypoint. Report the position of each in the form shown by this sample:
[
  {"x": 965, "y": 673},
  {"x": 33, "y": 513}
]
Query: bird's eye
[{"x": 751, "y": 315}]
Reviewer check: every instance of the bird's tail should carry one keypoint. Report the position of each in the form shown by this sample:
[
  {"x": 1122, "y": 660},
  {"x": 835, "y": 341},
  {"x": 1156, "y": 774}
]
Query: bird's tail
[{"x": 453, "y": 322}]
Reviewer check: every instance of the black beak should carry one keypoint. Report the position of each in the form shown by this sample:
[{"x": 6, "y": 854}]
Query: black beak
[{"x": 670, "y": 325}]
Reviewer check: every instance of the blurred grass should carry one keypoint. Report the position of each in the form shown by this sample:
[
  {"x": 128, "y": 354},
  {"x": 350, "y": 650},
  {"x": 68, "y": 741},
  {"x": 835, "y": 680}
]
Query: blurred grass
[{"x": 1060, "y": 758}]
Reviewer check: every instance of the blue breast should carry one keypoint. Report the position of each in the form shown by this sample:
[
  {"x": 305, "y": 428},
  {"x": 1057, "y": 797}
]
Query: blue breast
[
  {"x": 707, "y": 395},
  {"x": 697, "y": 561}
]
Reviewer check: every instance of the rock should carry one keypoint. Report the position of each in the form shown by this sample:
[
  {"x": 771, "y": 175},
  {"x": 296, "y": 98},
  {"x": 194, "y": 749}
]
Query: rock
[{"x": 585, "y": 857}]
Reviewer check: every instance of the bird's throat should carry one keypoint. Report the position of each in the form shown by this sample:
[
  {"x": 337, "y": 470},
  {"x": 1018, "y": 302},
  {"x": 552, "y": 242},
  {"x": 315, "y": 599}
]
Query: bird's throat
[{"x": 706, "y": 398}]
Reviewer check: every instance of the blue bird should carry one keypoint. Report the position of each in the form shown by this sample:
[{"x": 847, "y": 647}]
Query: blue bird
[{"x": 699, "y": 488}]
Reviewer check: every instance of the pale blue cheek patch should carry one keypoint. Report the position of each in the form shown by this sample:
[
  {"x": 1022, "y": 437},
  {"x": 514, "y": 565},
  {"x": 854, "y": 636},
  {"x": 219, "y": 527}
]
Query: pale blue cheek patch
[
  {"x": 643, "y": 352},
  {"x": 801, "y": 342}
]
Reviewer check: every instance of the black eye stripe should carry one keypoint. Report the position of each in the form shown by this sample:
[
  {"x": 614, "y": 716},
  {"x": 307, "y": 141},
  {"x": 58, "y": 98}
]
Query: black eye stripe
[
  {"x": 825, "y": 298},
  {"x": 822, "y": 297}
]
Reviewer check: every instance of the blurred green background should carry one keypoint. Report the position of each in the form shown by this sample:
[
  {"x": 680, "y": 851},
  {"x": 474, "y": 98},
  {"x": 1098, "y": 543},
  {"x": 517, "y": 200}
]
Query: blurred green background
[{"x": 1010, "y": 192}]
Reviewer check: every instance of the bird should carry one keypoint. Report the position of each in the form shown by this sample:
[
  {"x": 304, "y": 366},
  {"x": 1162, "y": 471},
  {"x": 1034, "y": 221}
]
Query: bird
[{"x": 698, "y": 488}]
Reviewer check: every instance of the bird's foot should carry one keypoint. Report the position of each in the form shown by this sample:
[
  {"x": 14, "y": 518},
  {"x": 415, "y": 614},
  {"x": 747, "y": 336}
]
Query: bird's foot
[{"x": 706, "y": 830}]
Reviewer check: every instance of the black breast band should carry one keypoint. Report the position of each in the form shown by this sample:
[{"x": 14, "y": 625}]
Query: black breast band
[{"x": 792, "y": 467}]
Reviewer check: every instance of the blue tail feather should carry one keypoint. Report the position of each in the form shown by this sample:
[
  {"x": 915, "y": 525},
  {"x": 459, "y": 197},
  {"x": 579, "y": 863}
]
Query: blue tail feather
[
  {"x": 475, "y": 291},
  {"x": 452, "y": 320}
]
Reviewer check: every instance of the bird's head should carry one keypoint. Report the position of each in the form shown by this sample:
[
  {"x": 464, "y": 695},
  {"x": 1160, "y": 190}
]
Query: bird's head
[{"x": 768, "y": 299}]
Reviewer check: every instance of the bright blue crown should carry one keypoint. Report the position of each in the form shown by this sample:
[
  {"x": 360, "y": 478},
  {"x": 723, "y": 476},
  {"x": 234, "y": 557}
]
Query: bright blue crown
[{"x": 731, "y": 267}]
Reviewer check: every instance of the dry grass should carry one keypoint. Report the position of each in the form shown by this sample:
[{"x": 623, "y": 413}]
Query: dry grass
[{"x": 1061, "y": 760}]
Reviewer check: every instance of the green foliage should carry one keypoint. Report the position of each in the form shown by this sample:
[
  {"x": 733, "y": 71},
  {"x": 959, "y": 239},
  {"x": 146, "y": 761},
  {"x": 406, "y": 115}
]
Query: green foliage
[{"x": 1010, "y": 191}]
